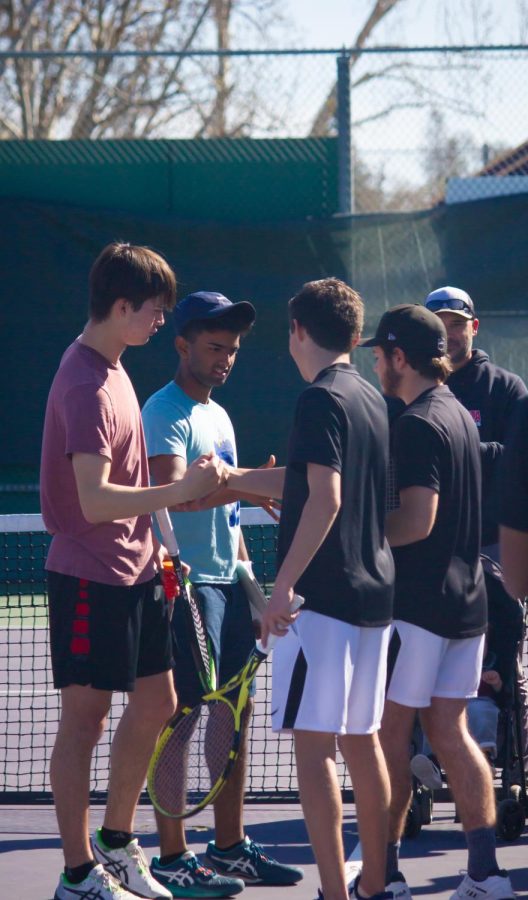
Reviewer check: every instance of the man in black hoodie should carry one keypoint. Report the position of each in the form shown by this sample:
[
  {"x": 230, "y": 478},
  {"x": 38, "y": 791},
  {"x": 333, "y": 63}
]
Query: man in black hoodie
[{"x": 488, "y": 392}]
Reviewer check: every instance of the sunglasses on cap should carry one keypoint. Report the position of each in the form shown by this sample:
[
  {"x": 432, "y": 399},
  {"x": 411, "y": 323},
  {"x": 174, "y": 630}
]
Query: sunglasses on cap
[{"x": 449, "y": 303}]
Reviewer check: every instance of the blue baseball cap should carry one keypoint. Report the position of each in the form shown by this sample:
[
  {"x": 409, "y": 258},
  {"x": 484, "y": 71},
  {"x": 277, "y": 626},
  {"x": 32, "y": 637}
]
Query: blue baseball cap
[{"x": 206, "y": 306}]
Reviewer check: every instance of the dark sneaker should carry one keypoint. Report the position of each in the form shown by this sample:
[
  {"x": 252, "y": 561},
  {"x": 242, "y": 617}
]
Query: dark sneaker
[
  {"x": 248, "y": 861},
  {"x": 383, "y": 895},
  {"x": 129, "y": 865},
  {"x": 98, "y": 885},
  {"x": 185, "y": 877}
]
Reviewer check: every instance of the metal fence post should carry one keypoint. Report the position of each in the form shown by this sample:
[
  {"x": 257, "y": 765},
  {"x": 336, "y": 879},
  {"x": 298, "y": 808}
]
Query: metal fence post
[{"x": 344, "y": 136}]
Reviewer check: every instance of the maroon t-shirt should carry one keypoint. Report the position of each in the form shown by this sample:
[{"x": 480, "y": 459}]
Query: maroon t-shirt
[{"x": 92, "y": 408}]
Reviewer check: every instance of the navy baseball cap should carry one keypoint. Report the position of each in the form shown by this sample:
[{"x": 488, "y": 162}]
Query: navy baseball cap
[
  {"x": 451, "y": 299},
  {"x": 206, "y": 306},
  {"x": 412, "y": 328}
]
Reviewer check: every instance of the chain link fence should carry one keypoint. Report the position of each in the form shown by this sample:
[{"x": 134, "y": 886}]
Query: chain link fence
[{"x": 424, "y": 124}]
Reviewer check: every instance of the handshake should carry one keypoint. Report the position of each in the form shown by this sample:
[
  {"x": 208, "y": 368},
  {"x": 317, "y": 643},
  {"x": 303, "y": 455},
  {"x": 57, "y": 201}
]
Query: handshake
[
  {"x": 210, "y": 475},
  {"x": 203, "y": 476}
]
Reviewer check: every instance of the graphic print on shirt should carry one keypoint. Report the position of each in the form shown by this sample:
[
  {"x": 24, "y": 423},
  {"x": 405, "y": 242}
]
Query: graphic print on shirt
[{"x": 225, "y": 450}]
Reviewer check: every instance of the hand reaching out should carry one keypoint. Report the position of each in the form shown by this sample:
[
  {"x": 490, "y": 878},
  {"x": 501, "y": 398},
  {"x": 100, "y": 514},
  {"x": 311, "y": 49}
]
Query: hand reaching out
[{"x": 268, "y": 504}]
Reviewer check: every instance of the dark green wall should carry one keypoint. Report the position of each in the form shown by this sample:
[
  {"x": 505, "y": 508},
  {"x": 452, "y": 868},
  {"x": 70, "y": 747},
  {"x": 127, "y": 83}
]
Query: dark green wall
[{"x": 221, "y": 179}]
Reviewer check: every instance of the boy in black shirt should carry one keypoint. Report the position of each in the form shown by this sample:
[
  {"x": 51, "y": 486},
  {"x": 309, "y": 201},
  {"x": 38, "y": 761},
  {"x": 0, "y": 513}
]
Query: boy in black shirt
[
  {"x": 329, "y": 669},
  {"x": 440, "y": 598}
]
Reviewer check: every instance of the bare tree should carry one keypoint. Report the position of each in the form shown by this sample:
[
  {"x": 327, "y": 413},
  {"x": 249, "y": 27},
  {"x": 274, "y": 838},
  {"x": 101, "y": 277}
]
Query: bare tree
[
  {"x": 327, "y": 112},
  {"x": 109, "y": 95},
  {"x": 402, "y": 74}
]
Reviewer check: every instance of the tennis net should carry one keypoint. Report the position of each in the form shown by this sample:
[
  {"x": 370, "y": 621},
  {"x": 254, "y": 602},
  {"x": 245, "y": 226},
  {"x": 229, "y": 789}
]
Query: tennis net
[{"x": 30, "y": 709}]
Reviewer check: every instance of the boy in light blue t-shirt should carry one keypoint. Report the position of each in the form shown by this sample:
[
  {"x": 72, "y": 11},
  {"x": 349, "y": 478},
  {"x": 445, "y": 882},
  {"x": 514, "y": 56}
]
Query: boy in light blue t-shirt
[
  {"x": 181, "y": 423},
  {"x": 176, "y": 425}
]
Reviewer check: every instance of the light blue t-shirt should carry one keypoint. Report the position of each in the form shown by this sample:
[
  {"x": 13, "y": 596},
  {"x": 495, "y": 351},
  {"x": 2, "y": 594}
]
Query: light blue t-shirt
[{"x": 177, "y": 425}]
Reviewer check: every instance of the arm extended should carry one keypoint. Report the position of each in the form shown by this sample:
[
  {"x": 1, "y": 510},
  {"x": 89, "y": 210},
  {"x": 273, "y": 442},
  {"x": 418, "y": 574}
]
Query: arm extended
[
  {"x": 262, "y": 482},
  {"x": 103, "y": 501},
  {"x": 166, "y": 468}
]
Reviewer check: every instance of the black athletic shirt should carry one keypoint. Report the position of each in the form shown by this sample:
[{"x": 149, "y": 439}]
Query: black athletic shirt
[
  {"x": 439, "y": 580},
  {"x": 514, "y": 472},
  {"x": 341, "y": 422}
]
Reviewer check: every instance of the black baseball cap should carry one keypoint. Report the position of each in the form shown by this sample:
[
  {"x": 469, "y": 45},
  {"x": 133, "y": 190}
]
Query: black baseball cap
[
  {"x": 412, "y": 328},
  {"x": 206, "y": 306},
  {"x": 451, "y": 299}
]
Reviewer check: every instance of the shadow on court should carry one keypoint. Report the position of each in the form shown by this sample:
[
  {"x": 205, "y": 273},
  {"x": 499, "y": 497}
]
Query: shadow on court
[{"x": 432, "y": 862}]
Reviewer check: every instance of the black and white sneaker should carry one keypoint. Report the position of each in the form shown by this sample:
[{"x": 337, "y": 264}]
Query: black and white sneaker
[
  {"x": 98, "y": 885},
  {"x": 398, "y": 887},
  {"x": 494, "y": 887},
  {"x": 129, "y": 865}
]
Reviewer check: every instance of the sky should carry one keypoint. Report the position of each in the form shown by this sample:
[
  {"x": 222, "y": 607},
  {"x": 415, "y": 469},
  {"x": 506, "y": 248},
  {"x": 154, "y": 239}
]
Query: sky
[
  {"x": 333, "y": 23},
  {"x": 493, "y": 90}
]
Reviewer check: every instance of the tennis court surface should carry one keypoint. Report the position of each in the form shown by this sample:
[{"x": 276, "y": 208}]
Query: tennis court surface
[
  {"x": 29, "y": 710},
  {"x": 31, "y": 856}
]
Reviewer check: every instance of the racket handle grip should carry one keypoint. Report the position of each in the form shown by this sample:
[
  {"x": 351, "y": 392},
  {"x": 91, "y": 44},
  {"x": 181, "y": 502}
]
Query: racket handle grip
[
  {"x": 297, "y": 602},
  {"x": 167, "y": 532},
  {"x": 169, "y": 580}
]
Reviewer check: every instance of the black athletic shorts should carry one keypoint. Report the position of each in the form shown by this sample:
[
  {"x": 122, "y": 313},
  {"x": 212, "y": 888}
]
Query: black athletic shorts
[{"x": 107, "y": 636}]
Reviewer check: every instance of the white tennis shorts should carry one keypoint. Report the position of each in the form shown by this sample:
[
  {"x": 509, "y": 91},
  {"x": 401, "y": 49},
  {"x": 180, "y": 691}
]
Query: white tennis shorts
[
  {"x": 428, "y": 665},
  {"x": 329, "y": 676}
]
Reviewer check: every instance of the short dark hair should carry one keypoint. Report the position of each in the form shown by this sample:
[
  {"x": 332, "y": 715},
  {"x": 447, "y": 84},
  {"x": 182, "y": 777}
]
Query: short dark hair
[
  {"x": 438, "y": 368},
  {"x": 134, "y": 273},
  {"x": 331, "y": 312}
]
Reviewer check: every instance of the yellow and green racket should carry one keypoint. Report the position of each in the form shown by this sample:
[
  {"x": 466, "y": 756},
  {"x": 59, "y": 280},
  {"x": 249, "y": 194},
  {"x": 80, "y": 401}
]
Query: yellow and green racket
[{"x": 197, "y": 750}]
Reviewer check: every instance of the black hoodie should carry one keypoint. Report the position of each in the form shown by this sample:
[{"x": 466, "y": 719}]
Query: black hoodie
[{"x": 489, "y": 393}]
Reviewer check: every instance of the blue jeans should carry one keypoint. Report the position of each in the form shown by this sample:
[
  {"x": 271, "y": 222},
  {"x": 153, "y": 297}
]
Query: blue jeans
[{"x": 230, "y": 628}]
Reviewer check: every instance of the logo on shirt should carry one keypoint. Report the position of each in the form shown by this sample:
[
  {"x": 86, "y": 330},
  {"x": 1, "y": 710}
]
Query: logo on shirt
[
  {"x": 475, "y": 415},
  {"x": 225, "y": 450}
]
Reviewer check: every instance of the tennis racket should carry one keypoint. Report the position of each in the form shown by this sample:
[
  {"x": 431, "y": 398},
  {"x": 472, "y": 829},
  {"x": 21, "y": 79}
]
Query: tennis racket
[
  {"x": 256, "y": 597},
  {"x": 196, "y": 632},
  {"x": 196, "y": 752}
]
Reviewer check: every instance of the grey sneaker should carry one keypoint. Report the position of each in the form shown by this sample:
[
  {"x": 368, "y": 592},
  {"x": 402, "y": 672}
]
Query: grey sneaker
[
  {"x": 426, "y": 771},
  {"x": 129, "y": 865},
  {"x": 98, "y": 885}
]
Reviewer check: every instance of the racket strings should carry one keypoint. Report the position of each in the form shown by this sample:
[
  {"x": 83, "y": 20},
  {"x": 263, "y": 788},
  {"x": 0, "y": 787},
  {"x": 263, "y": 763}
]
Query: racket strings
[{"x": 194, "y": 758}]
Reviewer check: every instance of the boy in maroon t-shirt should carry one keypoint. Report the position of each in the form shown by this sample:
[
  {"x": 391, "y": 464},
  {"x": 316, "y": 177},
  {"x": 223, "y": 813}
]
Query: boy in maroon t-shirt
[{"x": 107, "y": 633}]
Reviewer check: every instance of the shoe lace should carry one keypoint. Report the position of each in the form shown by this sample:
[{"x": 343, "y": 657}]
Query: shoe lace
[
  {"x": 138, "y": 857},
  {"x": 256, "y": 851},
  {"x": 196, "y": 866},
  {"x": 108, "y": 881}
]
